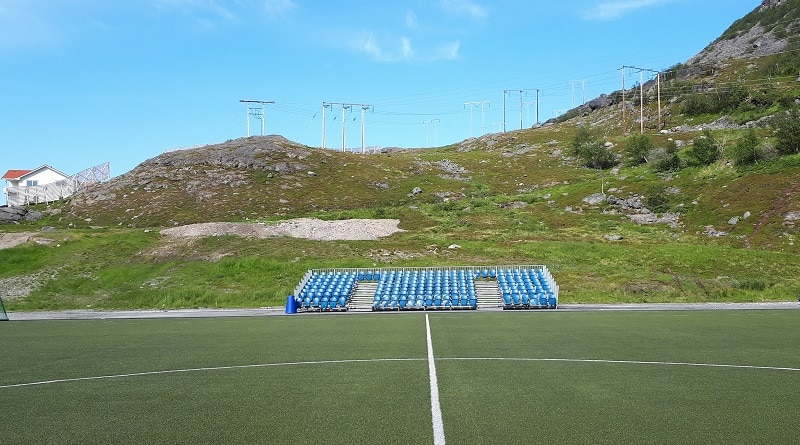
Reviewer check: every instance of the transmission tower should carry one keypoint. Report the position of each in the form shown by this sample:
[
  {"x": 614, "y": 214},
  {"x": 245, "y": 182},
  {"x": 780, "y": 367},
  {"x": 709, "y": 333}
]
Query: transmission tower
[
  {"x": 474, "y": 104},
  {"x": 255, "y": 109},
  {"x": 345, "y": 107}
]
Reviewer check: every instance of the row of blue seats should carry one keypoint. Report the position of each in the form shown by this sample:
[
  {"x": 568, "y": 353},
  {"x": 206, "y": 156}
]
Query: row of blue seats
[
  {"x": 532, "y": 301},
  {"x": 526, "y": 288},
  {"x": 327, "y": 291},
  {"x": 420, "y": 302},
  {"x": 370, "y": 275},
  {"x": 415, "y": 289}
]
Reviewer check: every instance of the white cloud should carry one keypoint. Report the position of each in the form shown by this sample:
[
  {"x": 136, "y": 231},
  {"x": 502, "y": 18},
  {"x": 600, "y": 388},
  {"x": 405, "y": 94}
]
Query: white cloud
[
  {"x": 279, "y": 9},
  {"x": 467, "y": 7},
  {"x": 408, "y": 52},
  {"x": 204, "y": 8},
  {"x": 611, "y": 10},
  {"x": 449, "y": 51},
  {"x": 411, "y": 19},
  {"x": 367, "y": 44},
  {"x": 404, "y": 50}
]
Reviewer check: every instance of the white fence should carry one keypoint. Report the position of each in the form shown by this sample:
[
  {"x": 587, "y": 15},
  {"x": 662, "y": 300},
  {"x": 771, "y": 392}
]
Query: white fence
[{"x": 39, "y": 194}]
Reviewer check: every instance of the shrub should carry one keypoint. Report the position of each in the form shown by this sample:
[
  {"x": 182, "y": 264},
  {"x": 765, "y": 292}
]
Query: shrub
[
  {"x": 788, "y": 133},
  {"x": 697, "y": 104},
  {"x": 592, "y": 150},
  {"x": 598, "y": 156},
  {"x": 664, "y": 159},
  {"x": 637, "y": 148},
  {"x": 656, "y": 199},
  {"x": 705, "y": 149},
  {"x": 583, "y": 138},
  {"x": 747, "y": 150}
]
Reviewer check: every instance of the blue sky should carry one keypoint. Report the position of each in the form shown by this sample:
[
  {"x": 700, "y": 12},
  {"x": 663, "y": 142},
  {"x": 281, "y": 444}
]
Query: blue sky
[{"x": 89, "y": 81}]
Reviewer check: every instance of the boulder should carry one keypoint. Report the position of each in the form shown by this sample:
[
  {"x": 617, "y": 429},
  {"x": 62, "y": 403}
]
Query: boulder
[
  {"x": 601, "y": 102},
  {"x": 595, "y": 199},
  {"x": 9, "y": 214}
]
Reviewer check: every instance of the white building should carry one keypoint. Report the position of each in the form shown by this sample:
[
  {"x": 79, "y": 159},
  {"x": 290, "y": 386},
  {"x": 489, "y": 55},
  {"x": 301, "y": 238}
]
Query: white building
[{"x": 46, "y": 184}]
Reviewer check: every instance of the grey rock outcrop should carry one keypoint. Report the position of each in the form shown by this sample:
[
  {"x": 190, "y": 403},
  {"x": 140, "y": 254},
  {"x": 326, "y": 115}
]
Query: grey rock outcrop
[{"x": 14, "y": 215}]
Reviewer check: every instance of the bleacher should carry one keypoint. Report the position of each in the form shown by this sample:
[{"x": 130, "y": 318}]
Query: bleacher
[{"x": 427, "y": 288}]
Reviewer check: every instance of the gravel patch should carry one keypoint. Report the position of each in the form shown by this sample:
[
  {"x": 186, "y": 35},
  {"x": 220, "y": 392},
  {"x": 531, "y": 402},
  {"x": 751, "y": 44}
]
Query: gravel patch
[
  {"x": 9, "y": 240},
  {"x": 308, "y": 228}
]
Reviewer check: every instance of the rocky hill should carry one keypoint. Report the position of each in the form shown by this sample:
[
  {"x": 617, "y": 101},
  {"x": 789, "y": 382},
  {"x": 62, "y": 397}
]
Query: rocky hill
[{"x": 269, "y": 178}]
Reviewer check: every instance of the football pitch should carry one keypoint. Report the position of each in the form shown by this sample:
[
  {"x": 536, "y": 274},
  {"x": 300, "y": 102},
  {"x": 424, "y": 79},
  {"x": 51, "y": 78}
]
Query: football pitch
[{"x": 607, "y": 377}]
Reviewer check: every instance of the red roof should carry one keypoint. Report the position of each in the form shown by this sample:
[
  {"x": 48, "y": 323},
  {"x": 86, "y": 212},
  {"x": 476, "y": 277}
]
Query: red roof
[{"x": 15, "y": 174}]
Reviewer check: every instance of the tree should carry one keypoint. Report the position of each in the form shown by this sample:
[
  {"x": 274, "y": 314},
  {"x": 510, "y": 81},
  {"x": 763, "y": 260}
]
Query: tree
[
  {"x": 637, "y": 147},
  {"x": 705, "y": 149},
  {"x": 747, "y": 151},
  {"x": 788, "y": 133}
]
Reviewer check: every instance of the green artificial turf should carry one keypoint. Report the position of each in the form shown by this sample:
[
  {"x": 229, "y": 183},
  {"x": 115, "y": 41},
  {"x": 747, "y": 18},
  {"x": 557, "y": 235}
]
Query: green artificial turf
[{"x": 506, "y": 377}]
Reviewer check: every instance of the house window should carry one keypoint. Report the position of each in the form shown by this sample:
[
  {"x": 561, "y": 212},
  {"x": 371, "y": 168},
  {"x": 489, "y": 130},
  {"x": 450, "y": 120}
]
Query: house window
[{"x": 31, "y": 183}]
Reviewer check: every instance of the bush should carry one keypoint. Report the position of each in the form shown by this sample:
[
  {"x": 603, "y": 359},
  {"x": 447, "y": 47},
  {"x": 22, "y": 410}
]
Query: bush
[
  {"x": 788, "y": 133},
  {"x": 705, "y": 149},
  {"x": 656, "y": 199},
  {"x": 583, "y": 138},
  {"x": 747, "y": 150},
  {"x": 637, "y": 148},
  {"x": 664, "y": 159},
  {"x": 598, "y": 156},
  {"x": 697, "y": 104},
  {"x": 592, "y": 150}
]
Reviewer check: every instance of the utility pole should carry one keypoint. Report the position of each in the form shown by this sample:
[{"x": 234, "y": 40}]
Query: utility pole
[
  {"x": 658, "y": 87},
  {"x": 624, "y": 127},
  {"x": 427, "y": 127},
  {"x": 324, "y": 106},
  {"x": 583, "y": 91},
  {"x": 505, "y": 93},
  {"x": 363, "y": 108},
  {"x": 641, "y": 95},
  {"x": 641, "y": 101},
  {"x": 345, "y": 107},
  {"x": 255, "y": 109},
  {"x": 472, "y": 104}
]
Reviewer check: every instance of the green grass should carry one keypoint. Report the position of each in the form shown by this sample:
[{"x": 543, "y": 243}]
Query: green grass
[
  {"x": 525, "y": 397},
  {"x": 130, "y": 269}
]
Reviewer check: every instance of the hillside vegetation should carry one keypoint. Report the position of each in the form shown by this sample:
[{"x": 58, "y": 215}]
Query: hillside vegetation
[{"x": 703, "y": 207}]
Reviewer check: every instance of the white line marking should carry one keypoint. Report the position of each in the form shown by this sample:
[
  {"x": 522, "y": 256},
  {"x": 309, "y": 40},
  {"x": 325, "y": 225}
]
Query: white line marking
[
  {"x": 377, "y": 360},
  {"x": 212, "y": 368},
  {"x": 626, "y": 362},
  {"x": 436, "y": 410}
]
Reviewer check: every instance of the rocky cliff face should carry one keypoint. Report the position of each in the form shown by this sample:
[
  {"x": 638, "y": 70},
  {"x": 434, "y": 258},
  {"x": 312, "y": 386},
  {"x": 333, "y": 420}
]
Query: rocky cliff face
[
  {"x": 766, "y": 4},
  {"x": 751, "y": 37}
]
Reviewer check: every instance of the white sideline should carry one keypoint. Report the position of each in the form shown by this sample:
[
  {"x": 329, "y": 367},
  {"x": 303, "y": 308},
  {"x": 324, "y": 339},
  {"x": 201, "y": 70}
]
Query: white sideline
[{"x": 436, "y": 410}]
